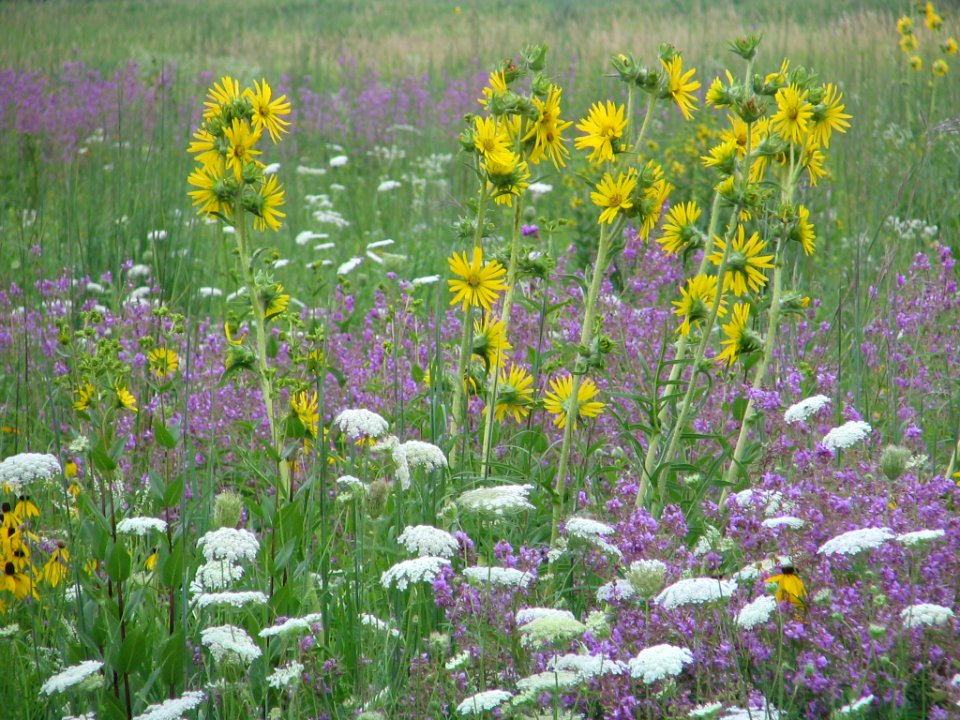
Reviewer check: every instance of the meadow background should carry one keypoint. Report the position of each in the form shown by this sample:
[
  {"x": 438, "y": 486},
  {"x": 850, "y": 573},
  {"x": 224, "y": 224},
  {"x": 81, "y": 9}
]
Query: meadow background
[{"x": 98, "y": 103}]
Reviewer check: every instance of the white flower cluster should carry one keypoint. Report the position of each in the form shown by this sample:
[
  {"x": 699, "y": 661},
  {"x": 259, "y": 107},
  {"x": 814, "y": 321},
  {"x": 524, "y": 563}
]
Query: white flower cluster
[
  {"x": 756, "y": 612},
  {"x": 419, "y": 569},
  {"x": 659, "y": 662},
  {"x": 855, "y": 541},
  {"x": 856, "y": 706},
  {"x": 799, "y": 412},
  {"x": 551, "y": 629},
  {"x": 292, "y": 625},
  {"x": 847, "y": 435},
  {"x": 427, "y": 540},
  {"x": 85, "y": 716},
  {"x": 360, "y": 423},
  {"x": 789, "y": 521},
  {"x": 765, "y": 711},
  {"x": 172, "y": 709},
  {"x": 526, "y": 615},
  {"x": 378, "y": 624},
  {"x": 618, "y": 589},
  {"x": 228, "y": 642},
  {"x": 496, "y": 501},
  {"x": 919, "y": 536},
  {"x": 73, "y": 675},
  {"x": 772, "y": 501},
  {"x": 695, "y": 591},
  {"x": 18, "y": 470},
  {"x": 588, "y": 666},
  {"x": 504, "y": 577},
  {"x": 283, "y": 676},
  {"x": 483, "y": 702},
  {"x": 229, "y": 544},
  {"x": 594, "y": 533},
  {"x": 236, "y": 599},
  {"x": 706, "y": 710},
  {"x": 215, "y": 575},
  {"x": 925, "y": 614},
  {"x": 549, "y": 681},
  {"x": 410, "y": 455},
  {"x": 141, "y": 526},
  {"x": 646, "y": 576}
]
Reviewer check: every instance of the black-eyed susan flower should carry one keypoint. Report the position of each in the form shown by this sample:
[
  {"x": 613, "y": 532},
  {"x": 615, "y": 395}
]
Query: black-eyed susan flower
[
  {"x": 490, "y": 342},
  {"x": 793, "y": 113},
  {"x": 789, "y": 586},
  {"x": 268, "y": 111},
  {"x": 55, "y": 571},
  {"x": 739, "y": 338},
  {"x": 614, "y": 195},
  {"x": 479, "y": 284},
  {"x": 17, "y": 582},
  {"x": 26, "y": 508},
  {"x": 514, "y": 394},
  {"x": 151, "y": 562},
  {"x": 680, "y": 229},
  {"x": 306, "y": 407},
  {"x": 241, "y": 150},
  {"x": 696, "y": 301},
  {"x": 680, "y": 85},
  {"x": 163, "y": 362},
  {"x": 828, "y": 115},
  {"x": 745, "y": 264},
  {"x": 604, "y": 126},
  {"x": 557, "y": 401},
  {"x": 125, "y": 398}
]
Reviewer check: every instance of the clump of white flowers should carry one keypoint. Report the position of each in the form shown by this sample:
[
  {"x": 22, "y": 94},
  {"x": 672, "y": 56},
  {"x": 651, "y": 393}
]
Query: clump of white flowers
[
  {"x": 847, "y": 435},
  {"x": 526, "y": 615},
  {"x": 70, "y": 677},
  {"x": 504, "y": 577},
  {"x": 229, "y": 544},
  {"x": 855, "y": 541},
  {"x": 292, "y": 625},
  {"x": 230, "y": 643},
  {"x": 551, "y": 629},
  {"x": 925, "y": 614},
  {"x": 756, "y": 612},
  {"x": 695, "y": 591},
  {"x": 285, "y": 675},
  {"x": 18, "y": 470},
  {"x": 426, "y": 540},
  {"x": 420, "y": 569},
  {"x": 496, "y": 501},
  {"x": 359, "y": 423},
  {"x": 918, "y": 537},
  {"x": 174, "y": 708},
  {"x": 141, "y": 526},
  {"x": 646, "y": 577},
  {"x": 483, "y": 702},
  {"x": 799, "y": 412},
  {"x": 235, "y": 599},
  {"x": 659, "y": 662},
  {"x": 215, "y": 575},
  {"x": 588, "y": 666}
]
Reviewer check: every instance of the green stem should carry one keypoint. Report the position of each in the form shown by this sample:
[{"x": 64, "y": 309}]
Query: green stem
[{"x": 266, "y": 386}]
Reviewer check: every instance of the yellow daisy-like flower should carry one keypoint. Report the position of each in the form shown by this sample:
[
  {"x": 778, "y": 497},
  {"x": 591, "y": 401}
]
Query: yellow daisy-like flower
[
  {"x": 82, "y": 397},
  {"x": 604, "y": 126},
  {"x": 680, "y": 85},
  {"x": 722, "y": 157},
  {"x": 225, "y": 93},
  {"x": 490, "y": 342},
  {"x": 812, "y": 161},
  {"x": 26, "y": 508},
  {"x": 547, "y": 131},
  {"x": 557, "y": 402},
  {"x": 241, "y": 150},
  {"x": 828, "y": 116},
  {"x": 789, "y": 587},
  {"x": 908, "y": 43},
  {"x": 125, "y": 398},
  {"x": 803, "y": 231},
  {"x": 496, "y": 85},
  {"x": 745, "y": 264},
  {"x": 507, "y": 180},
  {"x": 492, "y": 142},
  {"x": 55, "y": 571},
  {"x": 267, "y": 111},
  {"x": 270, "y": 197},
  {"x": 212, "y": 191},
  {"x": 274, "y": 300},
  {"x": 779, "y": 78},
  {"x": 307, "y": 409},
  {"x": 514, "y": 394},
  {"x": 904, "y": 25},
  {"x": 228, "y": 333},
  {"x": 614, "y": 195},
  {"x": 739, "y": 340},
  {"x": 679, "y": 228},
  {"x": 793, "y": 113},
  {"x": 718, "y": 94},
  {"x": 696, "y": 302},
  {"x": 939, "y": 67},
  {"x": 738, "y": 135},
  {"x": 163, "y": 361},
  {"x": 479, "y": 285},
  {"x": 205, "y": 146},
  {"x": 950, "y": 46},
  {"x": 930, "y": 18},
  {"x": 916, "y": 63},
  {"x": 19, "y": 583}
]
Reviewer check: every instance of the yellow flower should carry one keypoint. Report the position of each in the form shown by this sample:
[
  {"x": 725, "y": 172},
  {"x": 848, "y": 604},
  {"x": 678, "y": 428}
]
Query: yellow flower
[
  {"x": 496, "y": 85},
  {"x": 163, "y": 361},
  {"x": 905, "y": 25},
  {"x": 812, "y": 159},
  {"x": 745, "y": 264},
  {"x": 125, "y": 398},
  {"x": 720, "y": 95},
  {"x": 509, "y": 180},
  {"x": 679, "y": 228},
  {"x": 803, "y": 231},
  {"x": 614, "y": 195},
  {"x": 680, "y": 86},
  {"x": 220, "y": 95},
  {"x": 949, "y": 47},
  {"x": 930, "y": 17},
  {"x": 779, "y": 78},
  {"x": 270, "y": 197},
  {"x": 274, "y": 301},
  {"x": 25, "y": 508},
  {"x": 241, "y": 150},
  {"x": 229, "y": 335},
  {"x": 480, "y": 284},
  {"x": 547, "y": 131},
  {"x": 793, "y": 112},
  {"x": 828, "y": 116},
  {"x": 83, "y": 395},
  {"x": 16, "y": 582},
  {"x": 55, "y": 570},
  {"x": 492, "y": 142},
  {"x": 789, "y": 587},
  {"x": 151, "y": 562},
  {"x": 205, "y": 145},
  {"x": 916, "y": 63},
  {"x": 739, "y": 339},
  {"x": 70, "y": 470},
  {"x": 696, "y": 302},
  {"x": 267, "y": 112},
  {"x": 722, "y": 157},
  {"x": 213, "y": 193},
  {"x": 514, "y": 394},
  {"x": 939, "y": 68},
  {"x": 490, "y": 342},
  {"x": 908, "y": 43},
  {"x": 557, "y": 401},
  {"x": 604, "y": 126},
  {"x": 307, "y": 409}
]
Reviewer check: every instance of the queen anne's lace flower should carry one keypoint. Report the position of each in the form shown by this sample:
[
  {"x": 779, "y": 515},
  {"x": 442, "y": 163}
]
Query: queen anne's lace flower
[
  {"x": 496, "y": 501},
  {"x": 919, "y": 536},
  {"x": 420, "y": 569},
  {"x": 659, "y": 662},
  {"x": 588, "y": 666},
  {"x": 756, "y": 612},
  {"x": 695, "y": 591},
  {"x": 855, "y": 541},
  {"x": 587, "y": 529},
  {"x": 427, "y": 540},
  {"x": 141, "y": 526},
  {"x": 378, "y": 624},
  {"x": 483, "y": 702},
  {"x": 285, "y": 675},
  {"x": 799, "y": 412},
  {"x": 784, "y": 520},
  {"x": 73, "y": 675},
  {"x": 707, "y": 710},
  {"x": 229, "y": 544},
  {"x": 847, "y": 435},
  {"x": 360, "y": 423},
  {"x": 925, "y": 614},
  {"x": 526, "y": 615},
  {"x": 236, "y": 599},
  {"x": 618, "y": 589},
  {"x": 292, "y": 625},
  {"x": 173, "y": 709},
  {"x": 227, "y": 642},
  {"x": 18, "y": 470},
  {"x": 215, "y": 575},
  {"x": 505, "y": 577},
  {"x": 551, "y": 629},
  {"x": 550, "y": 681},
  {"x": 856, "y": 706}
]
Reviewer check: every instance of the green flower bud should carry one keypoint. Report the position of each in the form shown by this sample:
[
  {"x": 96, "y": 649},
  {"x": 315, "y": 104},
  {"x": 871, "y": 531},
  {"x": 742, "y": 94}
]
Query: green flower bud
[
  {"x": 746, "y": 47},
  {"x": 893, "y": 461},
  {"x": 227, "y": 508},
  {"x": 377, "y": 494}
]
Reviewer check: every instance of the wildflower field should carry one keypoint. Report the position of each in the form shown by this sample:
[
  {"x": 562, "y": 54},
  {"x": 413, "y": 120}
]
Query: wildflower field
[{"x": 499, "y": 360}]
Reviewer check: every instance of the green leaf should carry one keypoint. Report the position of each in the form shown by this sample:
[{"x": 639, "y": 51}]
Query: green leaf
[
  {"x": 739, "y": 408},
  {"x": 165, "y": 436},
  {"x": 170, "y": 565},
  {"x": 133, "y": 651},
  {"x": 101, "y": 459},
  {"x": 174, "y": 491},
  {"x": 172, "y": 658},
  {"x": 118, "y": 562}
]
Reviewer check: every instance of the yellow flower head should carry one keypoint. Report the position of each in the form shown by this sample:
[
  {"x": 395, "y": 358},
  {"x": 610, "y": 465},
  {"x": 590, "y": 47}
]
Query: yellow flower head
[
  {"x": 125, "y": 398},
  {"x": 745, "y": 264},
  {"x": 507, "y": 180},
  {"x": 274, "y": 300},
  {"x": 722, "y": 157},
  {"x": 268, "y": 112},
  {"x": 680, "y": 85},
  {"x": 220, "y": 95},
  {"x": 514, "y": 394},
  {"x": 55, "y": 571},
  {"x": 212, "y": 194},
  {"x": 679, "y": 228},
  {"x": 270, "y": 196},
  {"x": 905, "y": 25},
  {"x": 557, "y": 402},
  {"x": 696, "y": 302},
  {"x": 803, "y": 231},
  {"x": 739, "y": 338},
  {"x": 604, "y": 126},
  {"x": 908, "y": 43},
  {"x": 614, "y": 195},
  {"x": 82, "y": 397},
  {"x": 789, "y": 587},
  {"x": 547, "y": 131},
  {"x": 939, "y": 67},
  {"x": 307, "y": 409},
  {"x": 930, "y": 18},
  {"x": 491, "y": 141},
  {"x": 916, "y": 63},
  {"x": 163, "y": 361},
  {"x": 205, "y": 146},
  {"x": 949, "y": 46},
  {"x": 496, "y": 85},
  {"x": 490, "y": 342},
  {"x": 478, "y": 285},
  {"x": 241, "y": 150},
  {"x": 828, "y": 116},
  {"x": 793, "y": 113}
]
